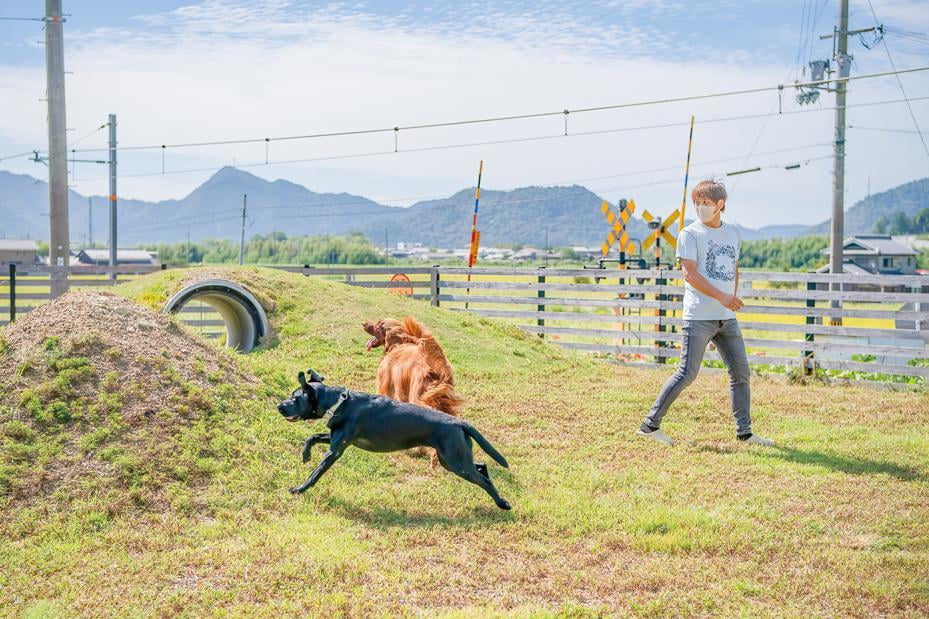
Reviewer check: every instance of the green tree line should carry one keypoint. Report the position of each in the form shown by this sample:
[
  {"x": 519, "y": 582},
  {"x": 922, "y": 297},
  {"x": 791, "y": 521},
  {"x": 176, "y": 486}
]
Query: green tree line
[
  {"x": 273, "y": 249},
  {"x": 799, "y": 254},
  {"x": 899, "y": 223}
]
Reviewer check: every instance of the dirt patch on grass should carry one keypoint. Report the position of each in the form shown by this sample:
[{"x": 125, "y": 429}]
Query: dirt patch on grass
[{"x": 102, "y": 397}]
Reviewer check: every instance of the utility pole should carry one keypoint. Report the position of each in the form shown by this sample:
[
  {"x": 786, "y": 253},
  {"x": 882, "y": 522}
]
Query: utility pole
[
  {"x": 242, "y": 240},
  {"x": 90, "y": 221},
  {"x": 836, "y": 242},
  {"x": 113, "y": 244},
  {"x": 58, "y": 237},
  {"x": 843, "y": 62}
]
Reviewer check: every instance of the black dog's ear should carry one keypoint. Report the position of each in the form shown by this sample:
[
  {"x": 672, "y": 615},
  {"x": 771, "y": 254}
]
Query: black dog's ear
[
  {"x": 301, "y": 377},
  {"x": 315, "y": 377}
]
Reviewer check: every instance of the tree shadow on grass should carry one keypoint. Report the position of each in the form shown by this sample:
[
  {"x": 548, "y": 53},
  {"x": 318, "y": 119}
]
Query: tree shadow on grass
[
  {"x": 833, "y": 461},
  {"x": 390, "y": 517}
]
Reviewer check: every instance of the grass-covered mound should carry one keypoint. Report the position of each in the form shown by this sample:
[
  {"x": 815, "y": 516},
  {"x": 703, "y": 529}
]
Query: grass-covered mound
[
  {"x": 107, "y": 408},
  {"x": 830, "y": 523}
]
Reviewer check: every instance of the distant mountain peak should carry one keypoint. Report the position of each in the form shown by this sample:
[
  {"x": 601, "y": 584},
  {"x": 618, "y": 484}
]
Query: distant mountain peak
[{"x": 230, "y": 173}]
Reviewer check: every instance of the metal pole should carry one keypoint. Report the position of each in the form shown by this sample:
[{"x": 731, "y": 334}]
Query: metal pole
[
  {"x": 12, "y": 292},
  {"x": 58, "y": 239},
  {"x": 540, "y": 294},
  {"x": 475, "y": 235},
  {"x": 806, "y": 364},
  {"x": 242, "y": 239},
  {"x": 113, "y": 242},
  {"x": 690, "y": 141},
  {"x": 90, "y": 221},
  {"x": 838, "y": 190}
]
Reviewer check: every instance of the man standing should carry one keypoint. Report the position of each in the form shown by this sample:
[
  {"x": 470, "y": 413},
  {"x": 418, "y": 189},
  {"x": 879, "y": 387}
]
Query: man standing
[{"x": 709, "y": 253}]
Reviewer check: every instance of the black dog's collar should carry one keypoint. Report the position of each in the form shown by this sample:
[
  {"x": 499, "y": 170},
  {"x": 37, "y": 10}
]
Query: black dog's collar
[{"x": 331, "y": 411}]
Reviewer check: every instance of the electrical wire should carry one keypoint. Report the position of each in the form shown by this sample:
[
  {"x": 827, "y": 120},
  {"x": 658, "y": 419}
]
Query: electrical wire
[
  {"x": 210, "y": 218},
  {"x": 496, "y": 119},
  {"x": 900, "y": 83},
  {"x": 84, "y": 137},
  {"x": 17, "y": 155},
  {"x": 263, "y": 163},
  {"x": 489, "y": 193},
  {"x": 886, "y": 129}
]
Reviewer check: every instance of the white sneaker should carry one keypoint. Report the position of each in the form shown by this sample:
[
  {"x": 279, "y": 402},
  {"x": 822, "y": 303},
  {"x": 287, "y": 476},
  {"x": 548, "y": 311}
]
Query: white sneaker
[
  {"x": 660, "y": 436},
  {"x": 754, "y": 439}
]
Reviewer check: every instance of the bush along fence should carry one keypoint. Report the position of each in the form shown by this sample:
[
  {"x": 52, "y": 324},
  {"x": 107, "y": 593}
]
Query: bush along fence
[{"x": 868, "y": 327}]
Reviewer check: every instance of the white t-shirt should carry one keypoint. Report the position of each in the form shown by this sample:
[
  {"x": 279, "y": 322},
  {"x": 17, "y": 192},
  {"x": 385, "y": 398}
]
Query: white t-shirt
[{"x": 716, "y": 251}]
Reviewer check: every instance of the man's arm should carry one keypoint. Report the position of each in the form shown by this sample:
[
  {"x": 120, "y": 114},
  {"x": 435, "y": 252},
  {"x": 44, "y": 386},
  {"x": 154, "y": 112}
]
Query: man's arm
[{"x": 701, "y": 284}]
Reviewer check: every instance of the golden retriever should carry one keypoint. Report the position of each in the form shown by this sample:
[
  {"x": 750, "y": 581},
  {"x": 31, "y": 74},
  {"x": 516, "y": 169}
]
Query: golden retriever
[{"x": 414, "y": 368}]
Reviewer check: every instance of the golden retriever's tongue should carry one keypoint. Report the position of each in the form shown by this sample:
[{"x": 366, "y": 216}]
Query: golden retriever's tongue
[{"x": 371, "y": 343}]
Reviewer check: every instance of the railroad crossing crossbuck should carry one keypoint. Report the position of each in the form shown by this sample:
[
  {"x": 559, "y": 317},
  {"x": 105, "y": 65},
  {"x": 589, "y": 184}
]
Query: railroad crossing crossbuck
[{"x": 618, "y": 234}]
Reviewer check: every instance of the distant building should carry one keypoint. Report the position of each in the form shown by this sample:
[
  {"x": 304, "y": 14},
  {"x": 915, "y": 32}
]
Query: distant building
[
  {"x": 101, "y": 257},
  {"x": 21, "y": 252},
  {"x": 875, "y": 254}
]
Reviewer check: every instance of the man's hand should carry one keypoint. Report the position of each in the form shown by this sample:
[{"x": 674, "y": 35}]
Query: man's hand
[{"x": 730, "y": 301}]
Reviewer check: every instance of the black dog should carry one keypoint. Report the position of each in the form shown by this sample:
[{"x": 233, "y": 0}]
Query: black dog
[{"x": 376, "y": 423}]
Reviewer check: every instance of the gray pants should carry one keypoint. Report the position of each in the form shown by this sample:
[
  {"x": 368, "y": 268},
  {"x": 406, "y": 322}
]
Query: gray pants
[{"x": 728, "y": 339}]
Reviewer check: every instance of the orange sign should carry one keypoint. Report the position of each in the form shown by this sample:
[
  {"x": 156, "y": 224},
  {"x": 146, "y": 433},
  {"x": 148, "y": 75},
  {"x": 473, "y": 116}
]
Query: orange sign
[{"x": 400, "y": 278}]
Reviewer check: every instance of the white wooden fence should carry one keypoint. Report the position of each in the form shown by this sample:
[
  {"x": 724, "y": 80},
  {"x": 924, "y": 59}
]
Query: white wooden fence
[{"x": 881, "y": 326}]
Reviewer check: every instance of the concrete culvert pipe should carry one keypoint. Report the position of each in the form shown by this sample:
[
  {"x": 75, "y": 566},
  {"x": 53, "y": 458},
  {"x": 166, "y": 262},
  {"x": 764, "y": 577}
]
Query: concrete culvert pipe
[{"x": 246, "y": 322}]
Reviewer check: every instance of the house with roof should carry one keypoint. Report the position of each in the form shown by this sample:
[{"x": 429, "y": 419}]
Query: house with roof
[
  {"x": 873, "y": 254},
  {"x": 101, "y": 257},
  {"x": 21, "y": 252}
]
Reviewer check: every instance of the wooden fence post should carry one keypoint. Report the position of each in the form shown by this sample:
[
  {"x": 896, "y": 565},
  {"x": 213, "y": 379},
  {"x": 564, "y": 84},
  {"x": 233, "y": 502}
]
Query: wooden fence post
[
  {"x": 807, "y": 361},
  {"x": 434, "y": 286},
  {"x": 12, "y": 292},
  {"x": 541, "y": 308},
  {"x": 660, "y": 281}
]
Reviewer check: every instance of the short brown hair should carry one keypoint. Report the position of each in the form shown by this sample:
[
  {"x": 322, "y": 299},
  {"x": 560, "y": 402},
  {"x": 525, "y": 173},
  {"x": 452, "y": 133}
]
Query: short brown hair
[{"x": 710, "y": 189}]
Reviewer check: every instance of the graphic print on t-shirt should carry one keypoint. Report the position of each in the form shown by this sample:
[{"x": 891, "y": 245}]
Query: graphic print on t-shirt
[{"x": 720, "y": 261}]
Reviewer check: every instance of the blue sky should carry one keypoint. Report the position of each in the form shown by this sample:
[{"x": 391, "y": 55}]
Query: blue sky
[{"x": 191, "y": 71}]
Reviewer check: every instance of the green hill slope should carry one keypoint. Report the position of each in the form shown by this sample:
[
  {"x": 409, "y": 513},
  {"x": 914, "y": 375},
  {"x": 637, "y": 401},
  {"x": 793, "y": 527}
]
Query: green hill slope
[{"x": 830, "y": 523}]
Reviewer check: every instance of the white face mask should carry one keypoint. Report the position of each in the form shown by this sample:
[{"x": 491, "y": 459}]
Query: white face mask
[{"x": 706, "y": 213}]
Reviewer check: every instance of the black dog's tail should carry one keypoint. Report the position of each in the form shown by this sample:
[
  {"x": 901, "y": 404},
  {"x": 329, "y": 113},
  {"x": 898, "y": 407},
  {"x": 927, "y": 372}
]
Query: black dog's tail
[{"x": 485, "y": 444}]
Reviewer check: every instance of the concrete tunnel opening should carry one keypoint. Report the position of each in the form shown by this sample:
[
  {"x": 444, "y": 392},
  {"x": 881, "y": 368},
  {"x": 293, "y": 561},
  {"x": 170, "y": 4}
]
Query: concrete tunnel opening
[{"x": 244, "y": 317}]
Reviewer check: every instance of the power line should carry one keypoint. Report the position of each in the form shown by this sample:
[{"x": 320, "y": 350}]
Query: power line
[
  {"x": 18, "y": 155},
  {"x": 502, "y": 141},
  {"x": 495, "y": 119},
  {"x": 87, "y": 135},
  {"x": 209, "y": 218},
  {"x": 386, "y": 201},
  {"x": 900, "y": 83},
  {"x": 887, "y": 129}
]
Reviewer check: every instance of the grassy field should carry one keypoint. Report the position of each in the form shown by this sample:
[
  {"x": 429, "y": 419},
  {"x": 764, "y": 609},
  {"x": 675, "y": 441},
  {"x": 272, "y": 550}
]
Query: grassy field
[{"x": 830, "y": 523}]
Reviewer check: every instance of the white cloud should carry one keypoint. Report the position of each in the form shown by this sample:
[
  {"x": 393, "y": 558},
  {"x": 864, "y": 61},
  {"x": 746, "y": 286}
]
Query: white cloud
[{"x": 222, "y": 69}]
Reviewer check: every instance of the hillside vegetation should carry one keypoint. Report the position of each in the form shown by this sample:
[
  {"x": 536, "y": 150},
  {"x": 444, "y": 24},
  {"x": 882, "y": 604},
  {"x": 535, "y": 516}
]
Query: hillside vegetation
[{"x": 830, "y": 523}]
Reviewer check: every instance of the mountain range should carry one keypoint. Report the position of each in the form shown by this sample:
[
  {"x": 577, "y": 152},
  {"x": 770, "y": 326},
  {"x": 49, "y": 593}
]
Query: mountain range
[{"x": 558, "y": 216}]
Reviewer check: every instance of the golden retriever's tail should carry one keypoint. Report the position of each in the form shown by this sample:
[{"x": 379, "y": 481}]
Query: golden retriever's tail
[
  {"x": 415, "y": 328},
  {"x": 442, "y": 397}
]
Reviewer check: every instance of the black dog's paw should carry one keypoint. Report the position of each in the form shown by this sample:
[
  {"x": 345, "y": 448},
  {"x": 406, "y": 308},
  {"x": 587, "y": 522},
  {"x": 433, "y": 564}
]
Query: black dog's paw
[
  {"x": 504, "y": 504},
  {"x": 307, "y": 448},
  {"x": 295, "y": 490}
]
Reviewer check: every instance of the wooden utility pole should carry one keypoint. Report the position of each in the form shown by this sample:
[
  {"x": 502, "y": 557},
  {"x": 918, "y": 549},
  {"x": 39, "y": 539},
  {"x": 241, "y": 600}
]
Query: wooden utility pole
[
  {"x": 843, "y": 62},
  {"x": 58, "y": 234}
]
